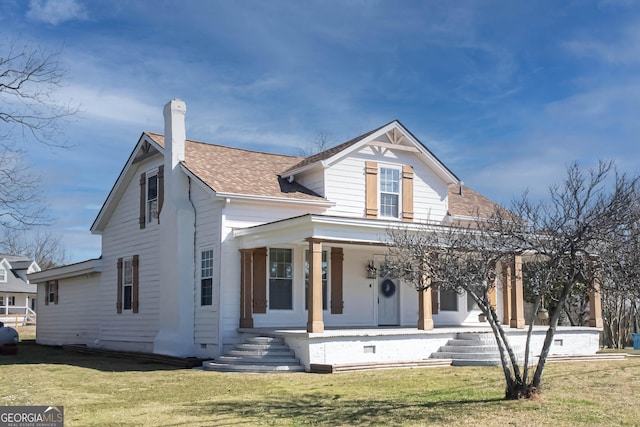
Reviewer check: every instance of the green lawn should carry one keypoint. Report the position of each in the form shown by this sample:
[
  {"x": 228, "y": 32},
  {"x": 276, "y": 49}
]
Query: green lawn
[{"x": 98, "y": 390}]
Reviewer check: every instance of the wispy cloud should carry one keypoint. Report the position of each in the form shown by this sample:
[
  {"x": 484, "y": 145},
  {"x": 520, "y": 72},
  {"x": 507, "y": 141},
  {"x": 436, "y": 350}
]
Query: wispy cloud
[
  {"x": 620, "y": 48},
  {"x": 55, "y": 12}
]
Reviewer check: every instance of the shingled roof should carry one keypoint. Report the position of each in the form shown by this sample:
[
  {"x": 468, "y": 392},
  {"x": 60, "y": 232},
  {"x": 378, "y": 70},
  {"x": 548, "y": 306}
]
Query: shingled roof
[
  {"x": 468, "y": 203},
  {"x": 238, "y": 171}
]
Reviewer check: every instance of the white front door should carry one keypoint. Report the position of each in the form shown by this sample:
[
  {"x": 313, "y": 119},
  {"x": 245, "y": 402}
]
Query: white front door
[{"x": 388, "y": 301}]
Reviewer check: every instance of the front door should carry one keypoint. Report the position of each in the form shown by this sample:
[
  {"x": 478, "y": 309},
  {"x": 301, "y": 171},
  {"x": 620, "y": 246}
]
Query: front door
[{"x": 388, "y": 301}]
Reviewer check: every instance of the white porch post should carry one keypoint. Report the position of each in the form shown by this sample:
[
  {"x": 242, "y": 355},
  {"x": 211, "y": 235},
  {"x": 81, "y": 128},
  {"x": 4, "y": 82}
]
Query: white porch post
[{"x": 315, "y": 323}]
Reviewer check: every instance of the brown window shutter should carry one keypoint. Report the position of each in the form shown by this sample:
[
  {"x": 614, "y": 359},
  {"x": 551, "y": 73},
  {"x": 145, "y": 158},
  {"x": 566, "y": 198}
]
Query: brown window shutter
[
  {"x": 337, "y": 258},
  {"x": 160, "y": 190},
  {"x": 46, "y": 293},
  {"x": 260, "y": 280},
  {"x": 407, "y": 193},
  {"x": 136, "y": 288},
  {"x": 371, "y": 189},
  {"x": 55, "y": 292},
  {"x": 119, "y": 281},
  {"x": 435, "y": 301},
  {"x": 143, "y": 200}
]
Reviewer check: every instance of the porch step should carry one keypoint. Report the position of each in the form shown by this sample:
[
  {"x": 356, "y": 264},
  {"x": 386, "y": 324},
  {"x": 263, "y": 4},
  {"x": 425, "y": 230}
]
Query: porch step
[
  {"x": 258, "y": 354},
  {"x": 471, "y": 349},
  {"x": 351, "y": 367}
]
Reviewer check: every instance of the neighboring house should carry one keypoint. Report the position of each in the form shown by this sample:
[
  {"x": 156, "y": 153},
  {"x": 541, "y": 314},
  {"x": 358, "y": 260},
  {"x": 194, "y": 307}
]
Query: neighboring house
[
  {"x": 201, "y": 243},
  {"x": 17, "y": 295}
]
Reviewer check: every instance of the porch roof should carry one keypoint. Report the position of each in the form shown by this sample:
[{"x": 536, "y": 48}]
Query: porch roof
[{"x": 359, "y": 231}]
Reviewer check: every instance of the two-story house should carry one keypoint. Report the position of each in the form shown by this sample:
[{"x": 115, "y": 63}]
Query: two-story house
[
  {"x": 17, "y": 295},
  {"x": 202, "y": 243}
]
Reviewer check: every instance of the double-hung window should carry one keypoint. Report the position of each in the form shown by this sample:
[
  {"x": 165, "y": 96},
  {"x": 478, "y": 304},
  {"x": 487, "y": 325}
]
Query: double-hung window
[
  {"x": 389, "y": 192},
  {"x": 127, "y": 283},
  {"x": 152, "y": 197},
  {"x": 206, "y": 277},
  {"x": 324, "y": 279},
  {"x": 11, "y": 300},
  {"x": 3, "y": 274},
  {"x": 280, "y": 279}
]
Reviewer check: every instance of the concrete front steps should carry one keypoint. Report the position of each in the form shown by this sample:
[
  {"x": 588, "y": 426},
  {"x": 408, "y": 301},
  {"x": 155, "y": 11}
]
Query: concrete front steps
[
  {"x": 472, "y": 349},
  {"x": 258, "y": 354}
]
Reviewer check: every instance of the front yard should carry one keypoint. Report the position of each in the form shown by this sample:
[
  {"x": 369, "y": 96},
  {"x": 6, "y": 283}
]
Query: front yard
[{"x": 96, "y": 390}]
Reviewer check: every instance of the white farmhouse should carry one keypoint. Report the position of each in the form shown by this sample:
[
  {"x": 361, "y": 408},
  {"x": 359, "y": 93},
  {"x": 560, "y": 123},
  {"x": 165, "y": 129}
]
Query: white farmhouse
[
  {"x": 17, "y": 295},
  {"x": 203, "y": 243}
]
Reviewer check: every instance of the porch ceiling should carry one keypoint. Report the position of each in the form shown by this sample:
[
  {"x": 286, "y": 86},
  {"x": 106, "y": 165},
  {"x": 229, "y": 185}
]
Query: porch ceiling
[{"x": 345, "y": 230}]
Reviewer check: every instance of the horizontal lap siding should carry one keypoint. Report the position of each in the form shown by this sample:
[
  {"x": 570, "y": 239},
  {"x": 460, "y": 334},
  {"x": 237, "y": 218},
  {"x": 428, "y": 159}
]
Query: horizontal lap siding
[
  {"x": 75, "y": 319},
  {"x": 122, "y": 237},
  {"x": 207, "y": 236},
  {"x": 345, "y": 185}
]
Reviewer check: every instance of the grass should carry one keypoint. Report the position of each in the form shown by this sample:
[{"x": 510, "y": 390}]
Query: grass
[{"x": 97, "y": 391}]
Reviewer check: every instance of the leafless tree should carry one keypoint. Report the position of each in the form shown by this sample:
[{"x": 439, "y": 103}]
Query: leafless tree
[
  {"x": 321, "y": 142},
  {"x": 29, "y": 78},
  {"x": 45, "y": 248},
  {"x": 561, "y": 238}
]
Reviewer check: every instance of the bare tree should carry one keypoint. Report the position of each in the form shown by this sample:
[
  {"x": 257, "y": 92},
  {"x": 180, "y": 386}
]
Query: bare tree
[
  {"x": 45, "y": 248},
  {"x": 321, "y": 142},
  {"x": 561, "y": 238},
  {"x": 29, "y": 78}
]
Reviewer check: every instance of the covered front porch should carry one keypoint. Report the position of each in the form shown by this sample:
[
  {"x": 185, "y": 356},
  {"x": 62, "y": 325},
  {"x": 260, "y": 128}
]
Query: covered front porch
[{"x": 327, "y": 268}]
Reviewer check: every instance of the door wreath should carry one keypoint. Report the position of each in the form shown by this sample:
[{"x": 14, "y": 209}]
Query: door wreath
[{"x": 388, "y": 288}]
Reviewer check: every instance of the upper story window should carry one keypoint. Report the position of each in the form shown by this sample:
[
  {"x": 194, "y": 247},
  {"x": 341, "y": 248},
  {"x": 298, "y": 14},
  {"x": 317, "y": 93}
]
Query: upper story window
[
  {"x": 152, "y": 197},
  {"x": 389, "y": 192},
  {"x": 3, "y": 274},
  {"x": 280, "y": 279},
  {"x": 206, "y": 277}
]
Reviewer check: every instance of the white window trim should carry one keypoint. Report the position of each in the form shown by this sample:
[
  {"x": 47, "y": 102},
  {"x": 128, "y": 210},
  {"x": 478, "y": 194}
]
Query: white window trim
[
  {"x": 3, "y": 278},
  {"x": 293, "y": 282},
  {"x": 399, "y": 169},
  {"x": 202, "y": 250},
  {"x": 150, "y": 174}
]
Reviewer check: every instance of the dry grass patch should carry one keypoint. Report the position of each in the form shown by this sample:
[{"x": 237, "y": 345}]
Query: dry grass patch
[{"x": 103, "y": 391}]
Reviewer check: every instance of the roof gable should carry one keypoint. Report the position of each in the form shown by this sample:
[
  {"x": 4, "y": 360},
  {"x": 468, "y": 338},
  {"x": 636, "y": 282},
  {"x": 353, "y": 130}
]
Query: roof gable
[{"x": 393, "y": 135}]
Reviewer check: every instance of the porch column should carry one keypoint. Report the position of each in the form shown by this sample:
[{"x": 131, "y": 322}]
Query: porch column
[
  {"x": 595, "y": 305},
  {"x": 315, "y": 323},
  {"x": 517, "y": 293},
  {"x": 493, "y": 296},
  {"x": 425, "y": 311},
  {"x": 246, "y": 285},
  {"x": 506, "y": 293}
]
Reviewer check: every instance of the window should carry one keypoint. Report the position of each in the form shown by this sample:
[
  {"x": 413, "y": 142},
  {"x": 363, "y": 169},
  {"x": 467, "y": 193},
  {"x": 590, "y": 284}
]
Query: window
[
  {"x": 11, "y": 300},
  {"x": 152, "y": 197},
  {"x": 280, "y": 279},
  {"x": 51, "y": 292},
  {"x": 127, "y": 284},
  {"x": 389, "y": 192},
  {"x": 306, "y": 280},
  {"x": 3, "y": 274},
  {"x": 206, "y": 277},
  {"x": 1, "y": 300},
  {"x": 448, "y": 300},
  {"x": 471, "y": 303}
]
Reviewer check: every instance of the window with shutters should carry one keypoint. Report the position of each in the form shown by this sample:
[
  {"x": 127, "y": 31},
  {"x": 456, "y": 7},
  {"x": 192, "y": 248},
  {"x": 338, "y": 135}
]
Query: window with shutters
[
  {"x": 206, "y": 277},
  {"x": 280, "y": 279},
  {"x": 324, "y": 279},
  {"x": 128, "y": 284},
  {"x": 389, "y": 192},
  {"x": 152, "y": 197}
]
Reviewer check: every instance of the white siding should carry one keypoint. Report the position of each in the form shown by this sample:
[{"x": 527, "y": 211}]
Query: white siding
[
  {"x": 75, "y": 319},
  {"x": 313, "y": 180},
  {"x": 207, "y": 237},
  {"x": 345, "y": 184},
  {"x": 123, "y": 237}
]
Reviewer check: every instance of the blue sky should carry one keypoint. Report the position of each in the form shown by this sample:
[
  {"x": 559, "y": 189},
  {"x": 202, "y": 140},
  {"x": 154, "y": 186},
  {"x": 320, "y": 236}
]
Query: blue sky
[{"x": 506, "y": 93}]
